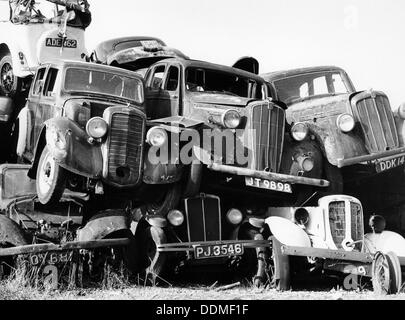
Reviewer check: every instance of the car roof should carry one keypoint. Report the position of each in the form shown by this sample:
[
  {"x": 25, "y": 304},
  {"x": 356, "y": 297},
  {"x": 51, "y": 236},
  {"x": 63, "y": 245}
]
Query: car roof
[
  {"x": 93, "y": 66},
  {"x": 208, "y": 65},
  {"x": 105, "y": 48},
  {"x": 271, "y": 76}
]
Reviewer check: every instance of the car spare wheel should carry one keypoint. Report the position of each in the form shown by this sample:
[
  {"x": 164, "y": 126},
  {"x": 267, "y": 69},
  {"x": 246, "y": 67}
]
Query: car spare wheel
[
  {"x": 50, "y": 180},
  {"x": 10, "y": 84}
]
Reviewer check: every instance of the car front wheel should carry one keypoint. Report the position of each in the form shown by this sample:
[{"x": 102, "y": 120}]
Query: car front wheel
[
  {"x": 10, "y": 84},
  {"x": 51, "y": 179}
]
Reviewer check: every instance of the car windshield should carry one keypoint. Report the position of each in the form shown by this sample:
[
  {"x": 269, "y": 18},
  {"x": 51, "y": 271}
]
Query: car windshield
[
  {"x": 305, "y": 86},
  {"x": 105, "y": 83},
  {"x": 214, "y": 81}
]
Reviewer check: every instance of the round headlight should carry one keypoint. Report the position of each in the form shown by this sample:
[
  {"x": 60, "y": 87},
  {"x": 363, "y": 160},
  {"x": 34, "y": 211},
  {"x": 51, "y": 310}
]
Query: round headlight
[
  {"x": 299, "y": 131},
  {"x": 231, "y": 119},
  {"x": 234, "y": 216},
  {"x": 156, "y": 137},
  {"x": 401, "y": 111},
  {"x": 301, "y": 215},
  {"x": 96, "y": 127},
  {"x": 175, "y": 217},
  {"x": 345, "y": 122},
  {"x": 306, "y": 163}
]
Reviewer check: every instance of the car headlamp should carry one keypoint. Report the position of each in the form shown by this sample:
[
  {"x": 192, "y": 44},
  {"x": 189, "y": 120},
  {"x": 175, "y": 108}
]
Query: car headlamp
[
  {"x": 156, "y": 137},
  {"x": 234, "y": 216},
  {"x": 96, "y": 127},
  {"x": 401, "y": 111},
  {"x": 345, "y": 122},
  {"x": 299, "y": 131},
  {"x": 175, "y": 217},
  {"x": 231, "y": 119}
]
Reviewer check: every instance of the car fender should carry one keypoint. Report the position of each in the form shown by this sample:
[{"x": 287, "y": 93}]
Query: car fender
[
  {"x": 287, "y": 232},
  {"x": 20, "y": 67},
  {"x": 10, "y": 233},
  {"x": 90, "y": 161},
  {"x": 385, "y": 242},
  {"x": 104, "y": 224},
  {"x": 79, "y": 156},
  {"x": 336, "y": 145}
]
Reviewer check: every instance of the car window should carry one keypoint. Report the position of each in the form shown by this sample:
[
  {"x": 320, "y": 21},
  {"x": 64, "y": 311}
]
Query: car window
[
  {"x": 320, "y": 86},
  {"x": 172, "y": 81},
  {"x": 157, "y": 78},
  {"x": 50, "y": 82},
  {"x": 39, "y": 82}
]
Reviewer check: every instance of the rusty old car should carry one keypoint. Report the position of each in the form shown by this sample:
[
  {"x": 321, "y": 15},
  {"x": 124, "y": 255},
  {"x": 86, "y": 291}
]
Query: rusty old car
[
  {"x": 83, "y": 128},
  {"x": 355, "y": 129},
  {"x": 65, "y": 245},
  {"x": 330, "y": 240},
  {"x": 191, "y": 99}
]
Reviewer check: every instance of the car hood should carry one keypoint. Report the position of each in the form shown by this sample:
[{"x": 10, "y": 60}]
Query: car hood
[
  {"x": 220, "y": 99},
  {"x": 325, "y": 106}
]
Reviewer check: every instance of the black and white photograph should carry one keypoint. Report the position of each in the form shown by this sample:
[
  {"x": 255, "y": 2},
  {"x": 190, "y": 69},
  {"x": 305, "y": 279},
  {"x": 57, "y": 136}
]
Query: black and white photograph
[{"x": 201, "y": 156}]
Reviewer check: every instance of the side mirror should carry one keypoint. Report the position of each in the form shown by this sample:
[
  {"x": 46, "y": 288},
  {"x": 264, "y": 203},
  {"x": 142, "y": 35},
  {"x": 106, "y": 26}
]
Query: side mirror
[{"x": 6, "y": 109}]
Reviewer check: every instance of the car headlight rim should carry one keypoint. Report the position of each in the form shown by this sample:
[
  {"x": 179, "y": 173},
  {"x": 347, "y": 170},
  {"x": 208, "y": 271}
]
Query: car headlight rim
[
  {"x": 97, "y": 127},
  {"x": 231, "y": 119},
  {"x": 234, "y": 216},
  {"x": 156, "y": 136},
  {"x": 345, "y": 122},
  {"x": 299, "y": 131},
  {"x": 175, "y": 217}
]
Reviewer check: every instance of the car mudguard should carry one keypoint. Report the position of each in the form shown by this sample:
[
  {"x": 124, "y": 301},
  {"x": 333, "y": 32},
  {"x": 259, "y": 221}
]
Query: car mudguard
[
  {"x": 104, "y": 224},
  {"x": 81, "y": 157},
  {"x": 288, "y": 233}
]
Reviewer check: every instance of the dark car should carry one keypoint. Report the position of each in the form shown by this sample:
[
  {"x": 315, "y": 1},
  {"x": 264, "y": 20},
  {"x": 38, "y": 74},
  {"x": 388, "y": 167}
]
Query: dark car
[
  {"x": 83, "y": 128},
  {"x": 352, "y": 127}
]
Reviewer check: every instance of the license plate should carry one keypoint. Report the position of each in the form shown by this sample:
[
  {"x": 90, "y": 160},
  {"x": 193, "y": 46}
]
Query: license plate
[
  {"x": 218, "y": 251},
  {"x": 57, "y": 43},
  {"x": 268, "y": 184},
  {"x": 50, "y": 258},
  {"x": 386, "y": 165}
]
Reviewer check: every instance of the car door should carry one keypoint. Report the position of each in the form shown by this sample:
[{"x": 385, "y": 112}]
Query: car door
[
  {"x": 33, "y": 101},
  {"x": 47, "y": 107},
  {"x": 162, "y": 91}
]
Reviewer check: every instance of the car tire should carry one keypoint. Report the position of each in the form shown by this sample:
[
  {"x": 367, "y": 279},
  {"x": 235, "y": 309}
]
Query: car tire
[
  {"x": 50, "y": 179},
  {"x": 10, "y": 84}
]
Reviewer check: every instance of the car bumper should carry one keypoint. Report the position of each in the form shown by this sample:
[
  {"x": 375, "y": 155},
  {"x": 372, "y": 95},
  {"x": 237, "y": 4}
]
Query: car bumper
[
  {"x": 269, "y": 175},
  {"x": 370, "y": 157},
  {"x": 188, "y": 247}
]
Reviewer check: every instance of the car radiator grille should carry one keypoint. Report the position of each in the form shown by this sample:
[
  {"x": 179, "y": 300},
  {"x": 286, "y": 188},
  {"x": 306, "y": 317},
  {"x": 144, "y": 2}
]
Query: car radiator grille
[
  {"x": 357, "y": 226},
  {"x": 374, "y": 112},
  {"x": 268, "y": 124},
  {"x": 125, "y": 147},
  {"x": 203, "y": 218},
  {"x": 337, "y": 221}
]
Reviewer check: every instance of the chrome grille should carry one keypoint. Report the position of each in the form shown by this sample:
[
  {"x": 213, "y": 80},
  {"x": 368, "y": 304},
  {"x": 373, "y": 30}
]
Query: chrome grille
[
  {"x": 203, "y": 218},
  {"x": 125, "y": 148},
  {"x": 337, "y": 221},
  {"x": 268, "y": 124},
  {"x": 373, "y": 111},
  {"x": 357, "y": 226}
]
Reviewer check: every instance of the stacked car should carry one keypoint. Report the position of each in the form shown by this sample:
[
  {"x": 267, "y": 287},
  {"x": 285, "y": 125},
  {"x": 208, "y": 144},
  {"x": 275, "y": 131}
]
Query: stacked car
[{"x": 187, "y": 164}]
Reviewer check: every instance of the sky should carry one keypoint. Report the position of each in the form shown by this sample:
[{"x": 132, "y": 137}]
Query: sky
[{"x": 365, "y": 37}]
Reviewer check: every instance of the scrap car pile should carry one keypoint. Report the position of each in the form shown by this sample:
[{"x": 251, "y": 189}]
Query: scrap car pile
[{"x": 136, "y": 155}]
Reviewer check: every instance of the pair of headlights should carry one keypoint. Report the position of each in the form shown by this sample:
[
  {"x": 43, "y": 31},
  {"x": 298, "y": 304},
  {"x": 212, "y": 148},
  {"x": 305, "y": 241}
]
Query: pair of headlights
[
  {"x": 176, "y": 217},
  {"x": 345, "y": 122}
]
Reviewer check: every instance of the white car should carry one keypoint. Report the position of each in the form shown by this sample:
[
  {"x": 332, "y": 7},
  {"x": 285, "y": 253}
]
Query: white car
[{"x": 35, "y": 33}]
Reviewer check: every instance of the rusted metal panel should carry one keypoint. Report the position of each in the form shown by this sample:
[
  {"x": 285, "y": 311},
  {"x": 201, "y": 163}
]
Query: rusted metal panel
[
  {"x": 327, "y": 254},
  {"x": 38, "y": 248},
  {"x": 269, "y": 175}
]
